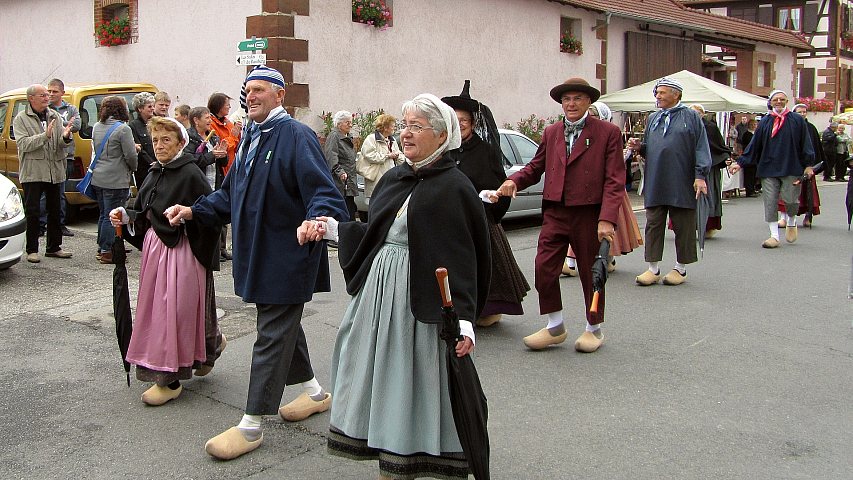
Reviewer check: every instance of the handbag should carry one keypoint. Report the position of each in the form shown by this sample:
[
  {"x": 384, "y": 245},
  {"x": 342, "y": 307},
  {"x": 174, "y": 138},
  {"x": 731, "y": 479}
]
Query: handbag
[
  {"x": 370, "y": 171},
  {"x": 84, "y": 186}
]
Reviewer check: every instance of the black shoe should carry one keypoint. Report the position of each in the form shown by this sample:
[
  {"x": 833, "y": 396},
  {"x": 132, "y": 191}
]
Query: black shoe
[
  {"x": 224, "y": 256},
  {"x": 332, "y": 244},
  {"x": 42, "y": 232},
  {"x": 66, "y": 232},
  {"x": 828, "y": 179}
]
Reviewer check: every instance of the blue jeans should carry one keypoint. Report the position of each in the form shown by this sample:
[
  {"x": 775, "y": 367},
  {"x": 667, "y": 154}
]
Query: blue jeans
[{"x": 108, "y": 199}]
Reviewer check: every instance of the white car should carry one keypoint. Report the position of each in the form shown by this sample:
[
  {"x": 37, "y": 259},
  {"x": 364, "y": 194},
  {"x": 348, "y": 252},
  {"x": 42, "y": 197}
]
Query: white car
[
  {"x": 518, "y": 150},
  {"x": 13, "y": 225}
]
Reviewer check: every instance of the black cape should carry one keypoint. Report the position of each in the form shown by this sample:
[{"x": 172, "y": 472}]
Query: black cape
[
  {"x": 179, "y": 182},
  {"x": 447, "y": 228},
  {"x": 482, "y": 165}
]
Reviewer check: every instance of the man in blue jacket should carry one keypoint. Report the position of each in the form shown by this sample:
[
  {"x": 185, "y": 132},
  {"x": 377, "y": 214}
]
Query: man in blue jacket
[
  {"x": 279, "y": 180},
  {"x": 783, "y": 151}
]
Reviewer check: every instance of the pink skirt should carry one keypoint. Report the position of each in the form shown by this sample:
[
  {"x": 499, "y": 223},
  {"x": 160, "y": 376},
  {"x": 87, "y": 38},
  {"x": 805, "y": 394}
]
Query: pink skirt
[{"x": 168, "y": 332}]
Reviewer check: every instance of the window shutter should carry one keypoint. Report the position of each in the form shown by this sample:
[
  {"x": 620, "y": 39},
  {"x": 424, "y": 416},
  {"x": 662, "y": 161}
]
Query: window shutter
[
  {"x": 810, "y": 18},
  {"x": 765, "y": 15}
]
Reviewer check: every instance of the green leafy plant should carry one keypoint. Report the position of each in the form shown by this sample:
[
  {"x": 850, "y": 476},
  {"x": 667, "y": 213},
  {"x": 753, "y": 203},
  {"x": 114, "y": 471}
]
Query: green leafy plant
[
  {"x": 533, "y": 127},
  {"x": 113, "y": 32},
  {"x": 847, "y": 40},
  {"x": 371, "y": 12},
  {"x": 570, "y": 44},
  {"x": 817, "y": 104},
  {"x": 327, "y": 123},
  {"x": 362, "y": 122}
]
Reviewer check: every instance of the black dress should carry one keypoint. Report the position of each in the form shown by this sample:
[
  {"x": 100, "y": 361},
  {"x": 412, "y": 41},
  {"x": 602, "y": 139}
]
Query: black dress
[{"x": 482, "y": 165}]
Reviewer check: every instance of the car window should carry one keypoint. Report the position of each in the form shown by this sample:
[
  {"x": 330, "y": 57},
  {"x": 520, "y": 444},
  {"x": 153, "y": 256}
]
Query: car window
[
  {"x": 4, "y": 107},
  {"x": 506, "y": 149},
  {"x": 526, "y": 148},
  {"x": 89, "y": 107},
  {"x": 19, "y": 107}
]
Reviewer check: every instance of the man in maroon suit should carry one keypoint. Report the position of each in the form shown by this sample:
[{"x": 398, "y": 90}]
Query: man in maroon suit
[{"x": 584, "y": 182}]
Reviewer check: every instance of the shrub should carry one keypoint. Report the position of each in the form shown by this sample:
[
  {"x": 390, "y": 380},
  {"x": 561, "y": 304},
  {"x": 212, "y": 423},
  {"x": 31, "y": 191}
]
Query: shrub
[
  {"x": 533, "y": 127},
  {"x": 113, "y": 32}
]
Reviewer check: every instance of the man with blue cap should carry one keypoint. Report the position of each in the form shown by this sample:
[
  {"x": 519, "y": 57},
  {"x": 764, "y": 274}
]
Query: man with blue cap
[
  {"x": 678, "y": 160},
  {"x": 278, "y": 182}
]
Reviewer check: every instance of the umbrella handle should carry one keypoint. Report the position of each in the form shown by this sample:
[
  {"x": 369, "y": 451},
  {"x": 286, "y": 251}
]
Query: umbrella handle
[
  {"x": 118, "y": 231},
  {"x": 443, "y": 286},
  {"x": 593, "y": 305}
]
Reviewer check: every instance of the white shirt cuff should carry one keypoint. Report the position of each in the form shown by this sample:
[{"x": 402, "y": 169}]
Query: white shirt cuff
[{"x": 466, "y": 328}]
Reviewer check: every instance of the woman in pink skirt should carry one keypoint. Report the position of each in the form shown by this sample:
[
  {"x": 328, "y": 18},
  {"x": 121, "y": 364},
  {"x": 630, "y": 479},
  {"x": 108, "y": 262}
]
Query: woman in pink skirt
[{"x": 175, "y": 330}]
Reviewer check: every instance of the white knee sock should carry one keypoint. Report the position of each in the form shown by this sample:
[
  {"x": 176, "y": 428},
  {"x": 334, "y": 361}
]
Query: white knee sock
[
  {"x": 555, "y": 319},
  {"x": 313, "y": 389},
  {"x": 250, "y": 427},
  {"x": 792, "y": 220},
  {"x": 653, "y": 267},
  {"x": 571, "y": 262},
  {"x": 593, "y": 328},
  {"x": 682, "y": 268},
  {"x": 774, "y": 229}
]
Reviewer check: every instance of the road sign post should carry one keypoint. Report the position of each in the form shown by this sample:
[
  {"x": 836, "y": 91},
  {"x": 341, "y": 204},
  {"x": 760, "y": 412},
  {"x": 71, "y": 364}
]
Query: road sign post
[{"x": 251, "y": 58}]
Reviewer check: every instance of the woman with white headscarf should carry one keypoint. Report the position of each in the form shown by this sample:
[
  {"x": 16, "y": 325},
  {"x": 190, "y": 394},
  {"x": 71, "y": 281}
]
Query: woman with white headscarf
[
  {"x": 390, "y": 398},
  {"x": 175, "y": 328}
]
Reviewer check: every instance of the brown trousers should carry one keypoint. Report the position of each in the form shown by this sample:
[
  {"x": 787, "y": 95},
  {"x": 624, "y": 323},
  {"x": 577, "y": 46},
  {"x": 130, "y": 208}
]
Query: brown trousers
[
  {"x": 562, "y": 226},
  {"x": 684, "y": 226}
]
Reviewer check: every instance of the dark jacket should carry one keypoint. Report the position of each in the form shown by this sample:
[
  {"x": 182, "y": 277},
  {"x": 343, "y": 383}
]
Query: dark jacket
[
  {"x": 178, "y": 182},
  {"x": 719, "y": 151},
  {"x": 203, "y": 158},
  {"x": 340, "y": 157},
  {"x": 482, "y": 165},
  {"x": 786, "y": 154},
  {"x": 447, "y": 228},
  {"x": 145, "y": 157},
  {"x": 287, "y": 184}
]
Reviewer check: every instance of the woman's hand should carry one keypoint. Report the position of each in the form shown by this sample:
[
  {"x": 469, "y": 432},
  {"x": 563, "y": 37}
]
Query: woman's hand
[
  {"x": 178, "y": 214},
  {"x": 507, "y": 189},
  {"x": 220, "y": 150},
  {"x": 464, "y": 347},
  {"x": 119, "y": 217}
]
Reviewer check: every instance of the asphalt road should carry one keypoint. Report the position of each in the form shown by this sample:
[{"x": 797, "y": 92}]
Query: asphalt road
[{"x": 742, "y": 372}]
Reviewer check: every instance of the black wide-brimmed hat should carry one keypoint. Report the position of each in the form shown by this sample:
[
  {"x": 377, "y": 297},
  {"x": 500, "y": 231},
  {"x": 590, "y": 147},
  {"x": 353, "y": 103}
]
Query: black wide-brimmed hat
[
  {"x": 463, "y": 101},
  {"x": 575, "y": 84}
]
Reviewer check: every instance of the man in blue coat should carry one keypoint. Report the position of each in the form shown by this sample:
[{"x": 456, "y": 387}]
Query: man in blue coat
[
  {"x": 279, "y": 181},
  {"x": 678, "y": 161},
  {"x": 783, "y": 151}
]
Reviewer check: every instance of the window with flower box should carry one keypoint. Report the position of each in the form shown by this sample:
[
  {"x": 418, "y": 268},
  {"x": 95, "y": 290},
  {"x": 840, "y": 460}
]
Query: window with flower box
[
  {"x": 115, "y": 22},
  {"x": 570, "y": 36},
  {"x": 375, "y": 13}
]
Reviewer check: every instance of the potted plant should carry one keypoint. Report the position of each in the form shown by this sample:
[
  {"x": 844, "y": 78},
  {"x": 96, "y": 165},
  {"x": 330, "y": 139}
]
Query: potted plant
[
  {"x": 113, "y": 32},
  {"x": 847, "y": 40},
  {"x": 570, "y": 44},
  {"x": 371, "y": 12}
]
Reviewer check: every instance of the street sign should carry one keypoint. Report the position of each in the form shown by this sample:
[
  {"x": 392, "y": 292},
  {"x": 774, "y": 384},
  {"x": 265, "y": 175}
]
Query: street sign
[
  {"x": 256, "y": 44},
  {"x": 251, "y": 58}
]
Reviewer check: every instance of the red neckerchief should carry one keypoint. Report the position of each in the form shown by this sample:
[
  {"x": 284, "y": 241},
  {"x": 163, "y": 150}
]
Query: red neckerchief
[{"x": 778, "y": 120}]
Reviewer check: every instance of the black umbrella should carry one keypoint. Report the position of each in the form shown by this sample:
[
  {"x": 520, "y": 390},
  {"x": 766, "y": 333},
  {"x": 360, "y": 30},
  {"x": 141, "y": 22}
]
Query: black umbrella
[
  {"x": 703, "y": 211},
  {"x": 599, "y": 274},
  {"x": 470, "y": 409},
  {"x": 121, "y": 300},
  {"x": 849, "y": 200}
]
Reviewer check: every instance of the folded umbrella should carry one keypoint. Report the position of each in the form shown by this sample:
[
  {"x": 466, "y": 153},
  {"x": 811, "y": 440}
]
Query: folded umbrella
[
  {"x": 467, "y": 400},
  {"x": 703, "y": 211},
  {"x": 599, "y": 274},
  {"x": 121, "y": 300}
]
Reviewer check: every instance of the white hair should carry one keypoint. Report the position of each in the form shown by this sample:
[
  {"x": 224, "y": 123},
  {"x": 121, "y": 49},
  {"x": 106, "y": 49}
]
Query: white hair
[
  {"x": 424, "y": 108},
  {"x": 341, "y": 116}
]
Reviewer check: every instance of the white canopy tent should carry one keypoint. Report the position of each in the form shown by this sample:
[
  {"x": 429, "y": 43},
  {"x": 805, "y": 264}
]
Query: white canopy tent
[{"x": 715, "y": 97}]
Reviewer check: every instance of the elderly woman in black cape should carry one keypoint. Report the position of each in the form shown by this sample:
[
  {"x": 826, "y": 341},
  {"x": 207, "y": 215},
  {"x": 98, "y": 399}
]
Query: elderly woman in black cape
[
  {"x": 390, "y": 399},
  {"x": 175, "y": 330},
  {"x": 480, "y": 159}
]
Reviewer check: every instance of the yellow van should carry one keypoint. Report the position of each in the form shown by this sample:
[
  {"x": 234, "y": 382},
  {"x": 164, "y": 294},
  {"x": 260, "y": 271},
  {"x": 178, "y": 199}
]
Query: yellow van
[{"x": 87, "y": 99}]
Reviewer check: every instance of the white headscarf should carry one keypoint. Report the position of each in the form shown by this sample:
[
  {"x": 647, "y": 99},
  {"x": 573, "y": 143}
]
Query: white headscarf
[
  {"x": 184, "y": 135},
  {"x": 454, "y": 136},
  {"x": 604, "y": 112}
]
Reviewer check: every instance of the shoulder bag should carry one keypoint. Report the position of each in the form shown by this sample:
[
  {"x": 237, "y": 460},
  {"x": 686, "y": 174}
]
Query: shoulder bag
[{"x": 84, "y": 186}]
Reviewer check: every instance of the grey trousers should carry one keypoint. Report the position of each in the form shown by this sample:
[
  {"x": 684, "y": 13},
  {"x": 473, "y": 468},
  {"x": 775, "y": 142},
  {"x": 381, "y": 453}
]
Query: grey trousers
[
  {"x": 684, "y": 226},
  {"x": 770, "y": 191},
  {"x": 279, "y": 357}
]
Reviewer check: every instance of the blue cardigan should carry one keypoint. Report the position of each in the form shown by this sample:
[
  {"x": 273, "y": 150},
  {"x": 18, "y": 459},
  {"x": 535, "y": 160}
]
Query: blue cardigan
[
  {"x": 787, "y": 154},
  {"x": 288, "y": 183}
]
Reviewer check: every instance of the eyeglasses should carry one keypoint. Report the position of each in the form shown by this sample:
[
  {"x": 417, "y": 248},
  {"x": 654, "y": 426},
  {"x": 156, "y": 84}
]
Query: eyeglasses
[
  {"x": 42, "y": 95},
  {"x": 464, "y": 121},
  {"x": 414, "y": 128}
]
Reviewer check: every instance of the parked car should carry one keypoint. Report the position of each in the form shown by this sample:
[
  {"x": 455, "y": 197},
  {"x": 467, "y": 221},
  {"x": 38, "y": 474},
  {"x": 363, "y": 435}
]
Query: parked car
[
  {"x": 87, "y": 99},
  {"x": 518, "y": 150},
  {"x": 13, "y": 224}
]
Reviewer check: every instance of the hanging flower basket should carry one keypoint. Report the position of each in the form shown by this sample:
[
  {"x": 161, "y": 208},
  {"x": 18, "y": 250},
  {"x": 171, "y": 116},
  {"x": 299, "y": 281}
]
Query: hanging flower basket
[
  {"x": 847, "y": 40},
  {"x": 371, "y": 12},
  {"x": 113, "y": 32},
  {"x": 570, "y": 44}
]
